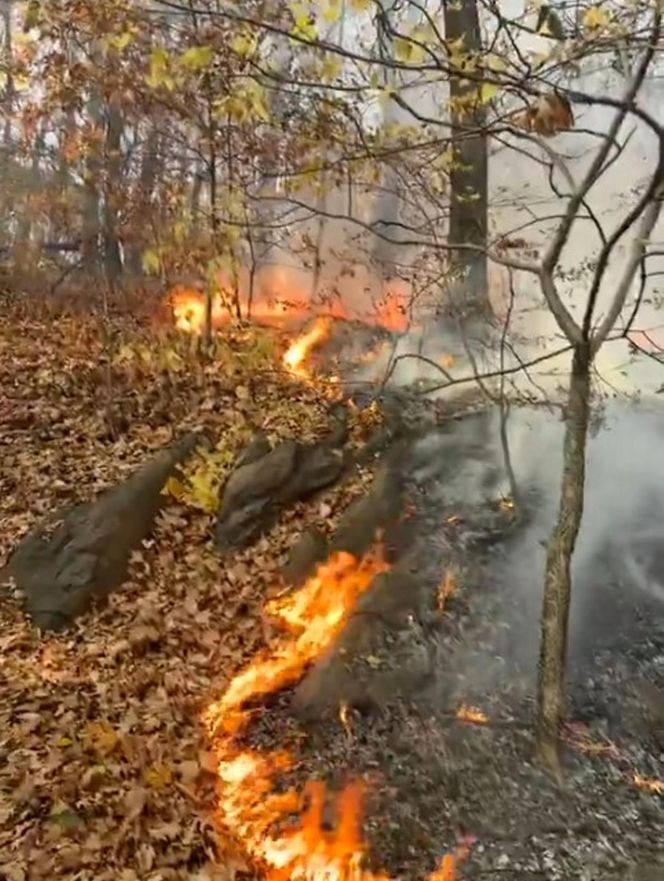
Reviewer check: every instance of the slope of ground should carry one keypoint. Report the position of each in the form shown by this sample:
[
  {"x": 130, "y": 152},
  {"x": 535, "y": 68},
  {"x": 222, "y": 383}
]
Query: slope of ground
[{"x": 104, "y": 773}]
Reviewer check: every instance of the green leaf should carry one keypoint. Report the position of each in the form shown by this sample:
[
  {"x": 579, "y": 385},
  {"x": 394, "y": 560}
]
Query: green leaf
[
  {"x": 196, "y": 57},
  {"x": 549, "y": 24}
]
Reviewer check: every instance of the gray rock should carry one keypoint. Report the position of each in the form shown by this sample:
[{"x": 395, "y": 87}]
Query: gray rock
[
  {"x": 310, "y": 549},
  {"x": 256, "y": 492},
  {"x": 82, "y": 553}
]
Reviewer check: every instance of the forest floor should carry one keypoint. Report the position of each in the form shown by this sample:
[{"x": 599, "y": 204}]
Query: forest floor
[
  {"x": 105, "y": 772},
  {"x": 106, "y": 769}
]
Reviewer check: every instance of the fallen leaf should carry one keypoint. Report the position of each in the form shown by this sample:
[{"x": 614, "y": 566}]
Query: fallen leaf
[
  {"x": 188, "y": 771},
  {"x": 100, "y": 737},
  {"x": 158, "y": 776}
]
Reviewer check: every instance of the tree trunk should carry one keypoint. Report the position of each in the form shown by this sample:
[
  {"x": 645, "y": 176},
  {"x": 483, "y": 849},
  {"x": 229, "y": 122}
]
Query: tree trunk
[
  {"x": 469, "y": 175},
  {"x": 196, "y": 189},
  {"x": 25, "y": 232},
  {"x": 386, "y": 211},
  {"x": 146, "y": 183},
  {"x": 9, "y": 83},
  {"x": 112, "y": 255},
  {"x": 557, "y": 578},
  {"x": 90, "y": 219}
]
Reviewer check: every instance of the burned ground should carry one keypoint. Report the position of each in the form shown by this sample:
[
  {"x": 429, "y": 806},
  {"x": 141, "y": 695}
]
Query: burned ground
[{"x": 103, "y": 722}]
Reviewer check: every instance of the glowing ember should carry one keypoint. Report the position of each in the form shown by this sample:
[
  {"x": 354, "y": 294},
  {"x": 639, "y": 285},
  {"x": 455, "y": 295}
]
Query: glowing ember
[
  {"x": 471, "y": 714},
  {"x": 446, "y": 589},
  {"x": 578, "y": 737},
  {"x": 344, "y": 718},
  {"x": 648, "y": 784},
  {"x": 298, "y": 350}
]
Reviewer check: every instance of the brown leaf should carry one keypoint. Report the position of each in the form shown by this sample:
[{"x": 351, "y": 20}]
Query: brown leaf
[
  {"x": 135, "y": 802},
  {"x": 208, "y": 762},
  {"x": 189, "y": 771},
  {"x": 100, "y": 737}
]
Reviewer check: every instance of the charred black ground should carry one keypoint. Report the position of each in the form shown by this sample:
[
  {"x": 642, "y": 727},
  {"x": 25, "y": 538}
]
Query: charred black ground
[{"x": 435, "y": 778}]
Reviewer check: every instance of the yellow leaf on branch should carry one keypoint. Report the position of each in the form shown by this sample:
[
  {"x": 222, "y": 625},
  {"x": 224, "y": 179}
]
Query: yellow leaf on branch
[
  {"x": 488, "y": 91},
  {"x": 244, "y": 44},
  {"x": 196, "y": 58},
  {"x": 332, "y": 11},
  {"x": 595, "y": 18},
  {"x": 158, "y": 74}
]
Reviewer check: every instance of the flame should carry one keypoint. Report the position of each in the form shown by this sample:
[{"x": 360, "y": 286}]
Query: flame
[
  {"x": 648, "y": 784},
  {"x": 280, "y": 296},
  {"x": 471, "y": 714},
  {"x": 300, "y": 348},
  {"x": 309, "y": 848},
  {"x": 313, "y": 616},
  {"x": 188, "y": 307},
  {"x": 447, "y": 869},
  {"x": 344, "y": 717}
]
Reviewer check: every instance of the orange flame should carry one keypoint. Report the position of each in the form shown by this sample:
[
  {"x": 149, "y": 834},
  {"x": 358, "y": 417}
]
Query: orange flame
[
  {"x": 188, "y": 307},
  {"x": 446, "y": 871},
  {"x": 446, "y": 589},
  {"x": 280, "y": 297},
  {"x": 314, "y": 615},
  {"x": 249, "y": 807},
  {"x": 300, "y": 348},
  {"x": 471, "y": 714}
]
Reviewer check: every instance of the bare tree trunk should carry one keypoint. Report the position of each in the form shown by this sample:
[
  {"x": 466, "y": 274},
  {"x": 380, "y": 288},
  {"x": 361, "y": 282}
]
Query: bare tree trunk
[
  {"x": 196, "y": 189},
  {"x": 469, "y": 174},
  {"x": 8, "y": 101},
  {"x": 214, "y": 217},
  {"x": 90, "y": 219},
  {"x": 388, "y": 202},
  {"x": 147, "y": 179},
  {"x": 9, "y": 83},
  {"x": 112, "y": 256},
  {"x": 557, "y": 578},
  {"x": 24, "y": 234}
]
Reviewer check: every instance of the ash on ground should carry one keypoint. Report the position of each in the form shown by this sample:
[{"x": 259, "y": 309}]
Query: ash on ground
[{"x": 436, "y": 779}]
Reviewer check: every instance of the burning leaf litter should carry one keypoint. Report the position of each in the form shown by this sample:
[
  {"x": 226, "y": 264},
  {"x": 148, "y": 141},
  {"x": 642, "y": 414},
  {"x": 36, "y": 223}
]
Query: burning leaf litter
[
  {"x": 108, "y": 773},
  {"x": 298, "y": 350},
  {"x": 105, "y": 770},
  {"x": 472, "y": 715}
]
